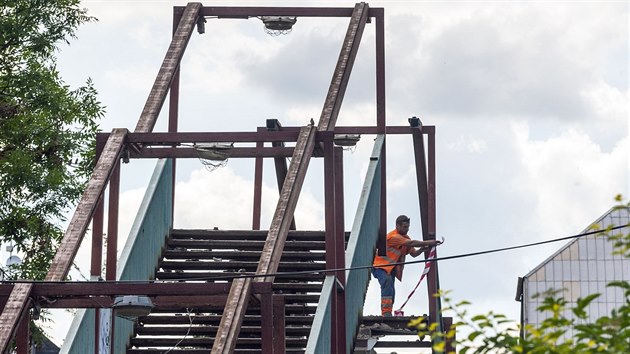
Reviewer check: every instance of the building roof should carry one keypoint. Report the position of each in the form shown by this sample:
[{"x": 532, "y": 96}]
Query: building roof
[{"x": 614, "y": 210}]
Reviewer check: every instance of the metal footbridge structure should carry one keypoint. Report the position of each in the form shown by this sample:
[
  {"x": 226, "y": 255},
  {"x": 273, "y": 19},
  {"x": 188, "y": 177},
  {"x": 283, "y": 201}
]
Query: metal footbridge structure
[{"x": 281, "y": 290}]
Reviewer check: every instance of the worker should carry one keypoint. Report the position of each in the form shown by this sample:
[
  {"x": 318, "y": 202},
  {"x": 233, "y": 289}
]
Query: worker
[{"x": 399, "y": 244}]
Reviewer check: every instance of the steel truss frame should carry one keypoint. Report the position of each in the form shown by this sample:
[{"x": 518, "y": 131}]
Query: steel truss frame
[{"x": 311, "y": 141}]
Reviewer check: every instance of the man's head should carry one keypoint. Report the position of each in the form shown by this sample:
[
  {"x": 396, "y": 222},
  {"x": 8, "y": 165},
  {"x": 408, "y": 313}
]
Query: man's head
[{"x": 402, "y": 224}]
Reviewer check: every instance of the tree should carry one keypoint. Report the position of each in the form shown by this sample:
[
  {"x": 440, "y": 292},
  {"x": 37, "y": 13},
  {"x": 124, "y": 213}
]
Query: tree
[
  {"x": 494, "y": 333},
  {"x": 47, "y": 130}
]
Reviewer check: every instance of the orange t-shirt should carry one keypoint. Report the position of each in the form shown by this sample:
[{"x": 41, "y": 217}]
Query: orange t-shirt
[{"x": 396, "y": 252}]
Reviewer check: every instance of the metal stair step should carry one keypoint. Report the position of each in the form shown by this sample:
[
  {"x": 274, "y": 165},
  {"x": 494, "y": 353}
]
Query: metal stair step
[
  {"x": 218, "y": 256},
  {"x": 222, "y": 275},
  {"x": 211, "y": 331},
  {"x": 242, "y": 245},
  {"x": 241, "y": 342},
  {"x": 260, "y": 235},
  {"x": 244, "y": 255},
  {"x": 210, "y": 319},
  {"x": 289, "y": 309},
  {"x": 232, "y": 264},
  {"x": 205, "y": 351}
]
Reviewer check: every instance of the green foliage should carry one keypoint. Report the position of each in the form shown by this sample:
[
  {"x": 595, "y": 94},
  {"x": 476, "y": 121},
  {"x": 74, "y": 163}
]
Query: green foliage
[
  {"x": 47, "y": 130},
  {"x": 494, "y": 333}
]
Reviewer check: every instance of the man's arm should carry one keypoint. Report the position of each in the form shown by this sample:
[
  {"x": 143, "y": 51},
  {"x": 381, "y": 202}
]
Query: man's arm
[{"x": 423, "y": 245}]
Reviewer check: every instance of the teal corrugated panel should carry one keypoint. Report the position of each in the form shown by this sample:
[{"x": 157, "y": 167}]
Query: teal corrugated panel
[{"x": 359, "y": 252}]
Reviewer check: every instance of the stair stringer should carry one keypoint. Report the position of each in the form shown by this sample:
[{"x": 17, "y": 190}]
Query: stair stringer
[{"x": 359, "y": 253}]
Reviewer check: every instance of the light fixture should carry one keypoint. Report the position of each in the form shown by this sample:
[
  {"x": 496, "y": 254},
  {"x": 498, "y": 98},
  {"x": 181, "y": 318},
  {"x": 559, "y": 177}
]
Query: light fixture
[
  {"x": 346, "y": 139},
  {"x": 214, "y": 151},
  {"x": 276, "y": 25},
  {"x": 415, "y": 122},
  {"x": 132, "y": 306},
  {"x": 201, "y": 25},
  {"x": 273, "y": 124}
]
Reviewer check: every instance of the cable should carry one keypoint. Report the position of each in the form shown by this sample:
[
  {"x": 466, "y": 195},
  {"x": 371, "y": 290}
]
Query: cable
[
  {"x": 333, "y": 270},
  {"x": 186, "y": 335}
]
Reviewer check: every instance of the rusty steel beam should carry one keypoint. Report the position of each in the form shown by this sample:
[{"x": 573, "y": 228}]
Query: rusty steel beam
[
  {"x": 382, "y": 128},
  {"x": 158, "y": 138},
  {"x": 164, "y": 295},
  {"x": 288, "y": 134},
  {"x": 335, "y": 241},
  {"x": 279, "y": 333},
  {"x": 246, "y": 12},
  {"x": 283, "y": 216},
  {"x": 173, "y": 108},
  {"x": 233, "y": 314},
  {"x": 434, "y": 274},
  {"x": 266, "y": 323},
  {"x": 14, "y": 309},
  {"x": 274, "y": 245},
  {"x": 422, "y": 183},
  {"x": 431, "y": 179},
  {"x": 57, "y": 290},
  {"x": 112, "y": 223},
  {"x": 184, "y": 152},
  {"x": 281, "y": 165},
  {"x": 425, "y": 175},
  {"x": 173, "y": 97},
  {"x": 279, "y": 228},
  {"x": 258, "y": 176},
  {"x": 341, "y": 75},
  {"x": 340, "y": 247},
  {"x": 159, "y": 302},
  {"x": 23, "y": 336},
  {"x": 169, "y": 68},
  {"x": 96, "y": 260},
  {"x": 80, "y": 220}
]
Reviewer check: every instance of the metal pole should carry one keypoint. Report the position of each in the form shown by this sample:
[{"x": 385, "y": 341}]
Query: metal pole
[
  {"x": 340, "y": 246},
  {"x": 381, "y": 124},
  {"x": 258, "y": 174}
]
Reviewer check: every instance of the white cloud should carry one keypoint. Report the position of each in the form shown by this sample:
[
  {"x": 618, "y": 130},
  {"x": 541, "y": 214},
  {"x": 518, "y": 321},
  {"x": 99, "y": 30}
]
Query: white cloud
[
  {"x": 469, "y": 144},
  {"x": 497, "y": 61},
  {"x": 568, "y": 171},
  {"x": 225, "y": 200}
]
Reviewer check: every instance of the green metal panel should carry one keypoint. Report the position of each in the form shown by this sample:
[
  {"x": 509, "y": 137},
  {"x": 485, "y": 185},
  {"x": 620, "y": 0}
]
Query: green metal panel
[
  {"x": 359, "y": 252},
  {"x": 138, "y": 260},
  {"x": 320, "y": 336},
  {"x": 362, "y": 244}
]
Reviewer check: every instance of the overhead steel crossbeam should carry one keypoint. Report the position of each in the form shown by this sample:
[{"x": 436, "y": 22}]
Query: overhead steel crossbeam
[
  {"x": 234, "y": 311},
  {"x": 160, "y": 145},
  {"x": 287, "y": 134},
  {"x": 101, "y": 294}
]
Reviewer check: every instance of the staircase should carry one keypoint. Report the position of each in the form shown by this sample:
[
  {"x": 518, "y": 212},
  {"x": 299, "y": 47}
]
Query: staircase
[{"x": 200, "y": 256}]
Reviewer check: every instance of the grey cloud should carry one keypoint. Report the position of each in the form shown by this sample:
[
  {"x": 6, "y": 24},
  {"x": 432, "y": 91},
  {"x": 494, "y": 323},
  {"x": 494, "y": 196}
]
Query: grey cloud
[
  {"x": 302, "y": 70},
  {"x": 480, "y": 67}
]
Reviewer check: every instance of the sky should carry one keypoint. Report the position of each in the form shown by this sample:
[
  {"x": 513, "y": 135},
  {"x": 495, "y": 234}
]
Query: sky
[{"x": 529, "y": 100}]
